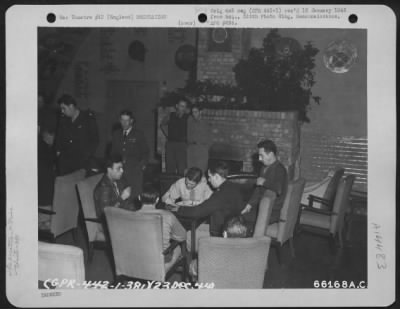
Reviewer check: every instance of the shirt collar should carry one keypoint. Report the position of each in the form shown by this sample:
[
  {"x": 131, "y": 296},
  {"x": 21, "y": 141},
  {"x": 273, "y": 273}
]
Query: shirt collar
[{"x": 127, "y": 131}]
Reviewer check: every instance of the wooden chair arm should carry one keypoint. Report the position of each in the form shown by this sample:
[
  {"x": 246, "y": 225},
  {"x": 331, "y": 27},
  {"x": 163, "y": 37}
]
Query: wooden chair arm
[
  {"x": 96, "y": 220},
  {"x": 46, "y": 211},
  {"x": 313, "y": 198},
  {"x": 319, "y": 211}
]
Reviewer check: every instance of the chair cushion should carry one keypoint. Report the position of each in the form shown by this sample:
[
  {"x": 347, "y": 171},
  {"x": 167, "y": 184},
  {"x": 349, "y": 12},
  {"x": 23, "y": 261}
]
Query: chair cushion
[
  {"x": 272, "y": 230},
  {"x": 315, "y": 219}
]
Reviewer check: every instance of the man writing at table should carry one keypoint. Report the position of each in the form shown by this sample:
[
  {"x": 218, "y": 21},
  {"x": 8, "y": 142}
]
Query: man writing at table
[
  {"x": 226, "y": 201},
  {"x": 191, "y": 189}
]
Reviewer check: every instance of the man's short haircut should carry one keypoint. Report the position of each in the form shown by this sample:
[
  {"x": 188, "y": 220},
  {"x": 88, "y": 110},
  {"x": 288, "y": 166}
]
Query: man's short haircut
[
  {"x": 194, "y": 174},
  {"x": 268, "y": 145},
  {"x": 221, "y": 168},
  {"x": 149, "y": 195},
  {"x": 67, "y": 99},
  {"x": 127, "y": 112},
  {"x": 235, "y": 227},
  {"x": 111, "y": 160}
]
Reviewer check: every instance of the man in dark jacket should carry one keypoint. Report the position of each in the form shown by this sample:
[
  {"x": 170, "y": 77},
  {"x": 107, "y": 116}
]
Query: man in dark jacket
[
  {"x": 77, "y": 136},
  {"x": 112, "y": 190},
  {"x": 273, "y": 177},
  {"x": 131, "y": 144},
  {"x": 225, "y": 202}
]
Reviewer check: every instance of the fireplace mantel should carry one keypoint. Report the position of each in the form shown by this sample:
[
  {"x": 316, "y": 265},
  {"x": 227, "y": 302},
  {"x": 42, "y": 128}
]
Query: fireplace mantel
[{"x": 243, "y": 129}]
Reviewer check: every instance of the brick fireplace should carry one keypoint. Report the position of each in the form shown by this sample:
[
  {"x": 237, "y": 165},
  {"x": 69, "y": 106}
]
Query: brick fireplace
[
  {"x": 235, "y": 133},
  {"x": 241, "y": 130}
]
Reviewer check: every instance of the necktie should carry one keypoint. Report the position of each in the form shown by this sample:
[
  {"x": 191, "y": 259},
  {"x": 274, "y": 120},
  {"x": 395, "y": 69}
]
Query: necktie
[
  {"x": 116, "y": 188},
  {"x": 192, "y": 196},
  {"x": 125, "y": 134}
]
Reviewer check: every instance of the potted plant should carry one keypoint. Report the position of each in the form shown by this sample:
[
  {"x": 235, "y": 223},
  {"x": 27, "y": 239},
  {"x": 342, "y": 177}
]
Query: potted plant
[{"x": 279, "y": 75}]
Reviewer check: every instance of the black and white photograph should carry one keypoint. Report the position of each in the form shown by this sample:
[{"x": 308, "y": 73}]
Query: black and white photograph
[{"x": 210, "y": 154}]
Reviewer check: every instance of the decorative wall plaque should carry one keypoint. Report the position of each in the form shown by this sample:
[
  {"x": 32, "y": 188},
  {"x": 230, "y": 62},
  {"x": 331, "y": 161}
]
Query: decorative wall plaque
[
  {"x": 219, "y": 40},
  {"x": 185, "y": 57},
  {"x": 340, "y": 56},
  {"x": 137, "y": 51}
]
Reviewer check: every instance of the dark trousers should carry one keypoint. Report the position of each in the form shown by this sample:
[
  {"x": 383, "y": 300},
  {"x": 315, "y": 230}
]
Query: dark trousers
[
  {"x": 176, "y": 157},
  {"x": 134, "y": 175}
]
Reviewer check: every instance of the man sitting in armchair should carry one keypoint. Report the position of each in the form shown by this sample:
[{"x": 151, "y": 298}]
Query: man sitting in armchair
[{"x": 113, "y": 190}]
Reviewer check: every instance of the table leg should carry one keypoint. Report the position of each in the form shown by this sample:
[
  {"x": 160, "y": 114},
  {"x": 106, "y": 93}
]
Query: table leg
[{"x": 193, "y": 236}]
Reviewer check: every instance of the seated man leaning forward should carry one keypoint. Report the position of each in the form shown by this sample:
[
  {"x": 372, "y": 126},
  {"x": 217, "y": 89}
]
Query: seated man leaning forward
[
  {"x": 112, "y": 190},
  {"x": 171, "y": 228},
  {"x": 226, "y": 201},
  {"x": 191, "y": 190},
  {"x": 273, "y": 178}
]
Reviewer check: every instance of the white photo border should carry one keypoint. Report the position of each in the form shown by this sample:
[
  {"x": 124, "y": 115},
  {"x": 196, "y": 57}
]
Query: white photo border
[{"x": 22, "y": 22}]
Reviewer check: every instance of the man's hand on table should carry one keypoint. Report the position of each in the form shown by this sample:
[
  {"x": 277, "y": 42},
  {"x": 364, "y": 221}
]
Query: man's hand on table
[{"x": 172, "y": 207}]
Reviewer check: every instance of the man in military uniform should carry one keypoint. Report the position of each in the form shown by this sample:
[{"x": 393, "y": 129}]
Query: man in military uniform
[
  {"x": 131, "y": 144},
  {"x": 174, "y": 127},
  {"x": 77, "y": 136}
]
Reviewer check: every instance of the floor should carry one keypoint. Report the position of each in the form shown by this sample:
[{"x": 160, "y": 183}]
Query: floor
[{"x": 313, "y": 260}]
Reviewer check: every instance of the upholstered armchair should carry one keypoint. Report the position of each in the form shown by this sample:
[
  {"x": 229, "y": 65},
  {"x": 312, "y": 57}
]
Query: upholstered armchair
[
  {"x": 94, "y": 229},
  {"x": 136, "y": 240},
  {"x": 233, "y": 263},
  {"x": 322, "y": 194},
  {"x": 60, "y": 262},
  {"x": 264, "y": 213},
  {"x": 329, "y": 222},
  {"x": 283, "y": 231},
  {"x": 62, "y": 216}
]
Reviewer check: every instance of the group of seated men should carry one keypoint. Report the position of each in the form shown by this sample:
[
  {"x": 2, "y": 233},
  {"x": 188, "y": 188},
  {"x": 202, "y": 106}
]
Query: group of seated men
[{"x": 192, "y": 197}]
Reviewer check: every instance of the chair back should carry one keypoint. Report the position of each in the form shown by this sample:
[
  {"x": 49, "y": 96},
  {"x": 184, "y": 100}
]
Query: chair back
[
  {"x": 326, "y": 188},
  {"x": 136, "y": 240},
  {"x": 65, "y": 203},
  {"x": 233, "y": 263},
  {"x": 85, "y": 189},
  {"x": 264, "y": 214},
  {"x": 166, "y": 181},
  {"x": 333, "y": 185},
  {"x": 290, "y": 210},
  {"x": 60, "y": 262},
  {"x": 341, "y": 203},
  {"x": 246, "y": 182}
]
